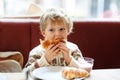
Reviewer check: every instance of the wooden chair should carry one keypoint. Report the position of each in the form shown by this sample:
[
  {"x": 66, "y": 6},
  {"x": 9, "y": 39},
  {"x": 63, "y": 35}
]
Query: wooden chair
[
  {"x": 10, "y": 66},
  {"x": 12, "y": 55}
]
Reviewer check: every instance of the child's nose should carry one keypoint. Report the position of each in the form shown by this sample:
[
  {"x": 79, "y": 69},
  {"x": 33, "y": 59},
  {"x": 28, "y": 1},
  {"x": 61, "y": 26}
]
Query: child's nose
[{"x": 57, "y": 33}]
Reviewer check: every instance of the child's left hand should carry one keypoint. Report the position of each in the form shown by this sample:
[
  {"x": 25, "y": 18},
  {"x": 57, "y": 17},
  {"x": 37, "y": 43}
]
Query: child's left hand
[{"x": 63, "y": 48}]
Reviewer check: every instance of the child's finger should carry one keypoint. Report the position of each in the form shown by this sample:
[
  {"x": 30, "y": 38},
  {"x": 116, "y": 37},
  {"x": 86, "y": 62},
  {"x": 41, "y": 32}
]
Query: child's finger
[{"x": 51, "y": 46}]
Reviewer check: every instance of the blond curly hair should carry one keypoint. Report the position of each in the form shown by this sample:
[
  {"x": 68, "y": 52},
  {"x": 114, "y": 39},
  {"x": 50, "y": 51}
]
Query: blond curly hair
[{"x": 54, "y": 15}]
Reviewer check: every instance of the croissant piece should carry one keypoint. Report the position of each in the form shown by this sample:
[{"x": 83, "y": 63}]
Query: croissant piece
[
  {"x": 46, "y": 43},
  {"x": 71, "y": 73}
]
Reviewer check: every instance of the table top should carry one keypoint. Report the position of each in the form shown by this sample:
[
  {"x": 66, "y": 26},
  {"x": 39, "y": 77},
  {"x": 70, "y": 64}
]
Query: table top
[
  {"x": 104, "y": 74},
  {"x": 96, "y": 74},
  {"x": 12, "y": 76}
]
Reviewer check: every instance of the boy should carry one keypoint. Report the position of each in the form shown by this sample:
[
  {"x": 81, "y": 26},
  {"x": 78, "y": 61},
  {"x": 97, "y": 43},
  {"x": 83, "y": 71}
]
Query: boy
[{"x": 55, "y": 24}]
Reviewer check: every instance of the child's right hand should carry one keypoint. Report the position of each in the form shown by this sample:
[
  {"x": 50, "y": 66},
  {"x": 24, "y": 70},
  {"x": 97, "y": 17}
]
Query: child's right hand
[{"x": 51, "y": 53}]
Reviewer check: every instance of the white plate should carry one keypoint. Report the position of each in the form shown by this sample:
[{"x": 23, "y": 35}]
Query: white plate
[{"x": 48, "y": 73}]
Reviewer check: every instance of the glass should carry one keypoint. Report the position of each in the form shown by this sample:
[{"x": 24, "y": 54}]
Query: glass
[{"x": 86, "y": 63}]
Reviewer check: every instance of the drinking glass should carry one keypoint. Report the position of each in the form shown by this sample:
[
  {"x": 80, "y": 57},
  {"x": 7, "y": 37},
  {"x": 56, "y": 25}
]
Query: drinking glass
[{"x": 86, "y": 63}]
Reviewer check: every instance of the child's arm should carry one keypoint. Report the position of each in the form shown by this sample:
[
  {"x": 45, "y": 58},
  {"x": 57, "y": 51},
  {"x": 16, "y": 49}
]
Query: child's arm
[
  {"x": 75, "y": 54},
  {"x": 36, "y": 59}
]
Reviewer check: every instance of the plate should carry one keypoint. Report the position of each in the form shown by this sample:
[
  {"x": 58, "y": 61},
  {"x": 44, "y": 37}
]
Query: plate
[{"x": 49, "y": 73}]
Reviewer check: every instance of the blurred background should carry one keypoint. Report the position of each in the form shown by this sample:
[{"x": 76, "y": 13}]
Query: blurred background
[{"x": 77, "y": 9}]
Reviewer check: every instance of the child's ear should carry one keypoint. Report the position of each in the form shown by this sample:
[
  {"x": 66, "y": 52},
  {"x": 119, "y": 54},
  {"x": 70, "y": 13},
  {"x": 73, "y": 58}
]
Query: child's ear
[
  {"x": 68, "y": 32},
  {"x": 43, "y": 33}
]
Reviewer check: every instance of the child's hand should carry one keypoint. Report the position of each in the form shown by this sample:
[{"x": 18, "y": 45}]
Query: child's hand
[
  {"x": 52, "y": 52},
  {"x": 63, "y": 48}
]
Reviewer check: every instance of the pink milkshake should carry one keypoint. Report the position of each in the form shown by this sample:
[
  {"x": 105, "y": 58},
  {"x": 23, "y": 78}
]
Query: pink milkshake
[{"x": 86, "y": 63}]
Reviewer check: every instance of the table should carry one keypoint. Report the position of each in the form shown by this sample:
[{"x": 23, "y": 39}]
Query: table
[
  {"x": 104, "y": 74},
  {"x": 96, "y": 74},
  {"x": 12, "y": 76}
]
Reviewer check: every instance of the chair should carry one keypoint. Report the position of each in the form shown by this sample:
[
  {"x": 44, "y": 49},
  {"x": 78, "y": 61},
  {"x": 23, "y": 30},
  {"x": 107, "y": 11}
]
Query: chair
[
  {"x": 12, "y": 55},
  {"x": 10, "y": 66}
]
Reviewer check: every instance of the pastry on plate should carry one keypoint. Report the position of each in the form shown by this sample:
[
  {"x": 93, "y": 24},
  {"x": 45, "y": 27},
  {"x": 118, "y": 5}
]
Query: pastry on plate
[{"x": 71, "y": 73}]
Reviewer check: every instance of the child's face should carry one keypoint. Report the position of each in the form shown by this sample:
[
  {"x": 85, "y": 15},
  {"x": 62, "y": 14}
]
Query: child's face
[{"x": 55, "y": 31}]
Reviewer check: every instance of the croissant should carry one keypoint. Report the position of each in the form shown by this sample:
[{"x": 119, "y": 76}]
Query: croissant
[
  {"x": 71, "y": 73},
  {"x": 46, "y": 43}
]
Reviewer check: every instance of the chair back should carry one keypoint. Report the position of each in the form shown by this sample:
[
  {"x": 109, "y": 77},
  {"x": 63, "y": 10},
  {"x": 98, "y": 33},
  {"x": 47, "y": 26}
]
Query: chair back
[{"x": 10, "y": 66}]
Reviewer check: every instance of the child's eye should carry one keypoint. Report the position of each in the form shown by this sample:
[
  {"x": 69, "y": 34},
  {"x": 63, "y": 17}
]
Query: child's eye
[
  {"x": 61, "y": 29},
  {"x": 51, "y": 30}
]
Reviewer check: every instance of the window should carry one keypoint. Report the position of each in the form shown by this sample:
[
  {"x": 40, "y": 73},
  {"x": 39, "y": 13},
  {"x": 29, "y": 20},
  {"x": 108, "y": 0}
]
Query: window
[{"x": 77, "y": 9}]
